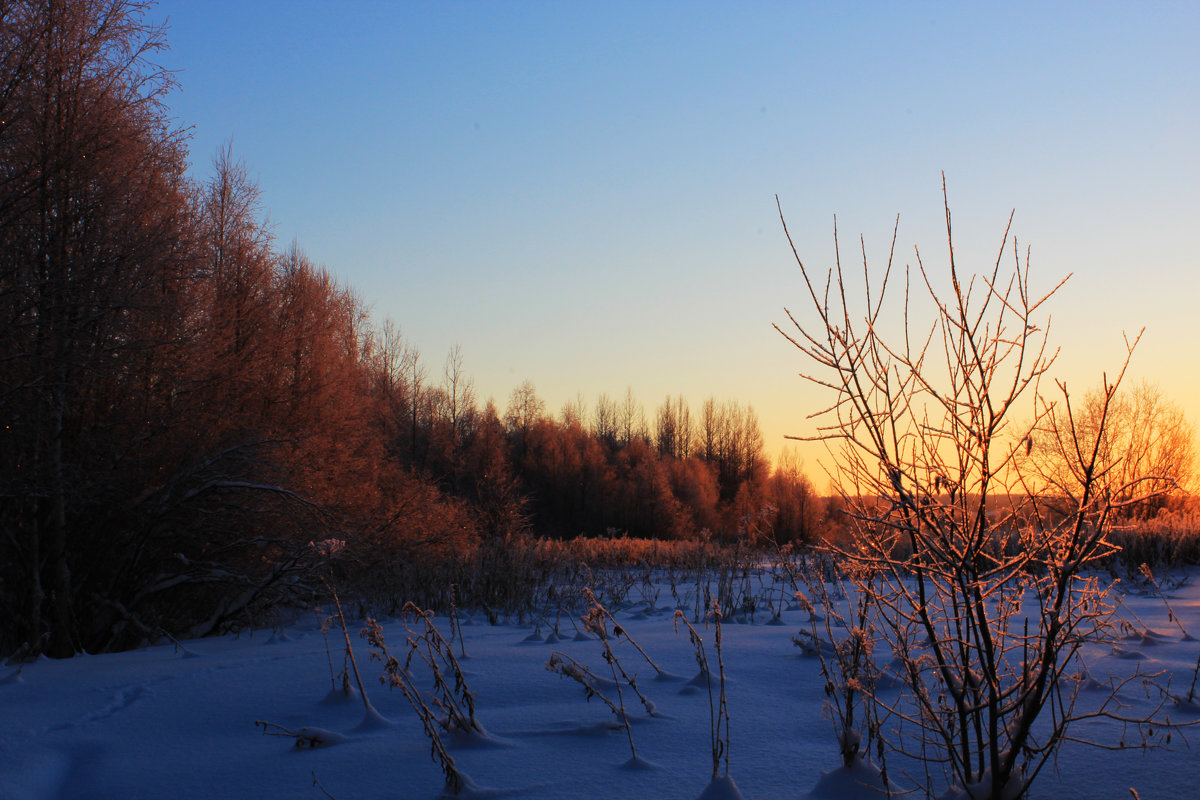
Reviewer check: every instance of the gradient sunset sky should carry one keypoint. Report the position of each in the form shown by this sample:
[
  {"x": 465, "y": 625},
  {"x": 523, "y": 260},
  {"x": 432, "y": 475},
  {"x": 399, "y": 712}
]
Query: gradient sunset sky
[{"x": 583, "y": 194}]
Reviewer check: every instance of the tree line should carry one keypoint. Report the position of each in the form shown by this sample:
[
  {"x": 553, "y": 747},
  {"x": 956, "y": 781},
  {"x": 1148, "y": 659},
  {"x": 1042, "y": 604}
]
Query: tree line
[
  {"x": 190, "y": 411},
  {"x": 193, "y": 418}
]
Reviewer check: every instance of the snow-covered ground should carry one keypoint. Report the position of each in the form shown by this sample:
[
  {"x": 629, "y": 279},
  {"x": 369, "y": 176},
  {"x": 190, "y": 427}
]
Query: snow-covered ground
[{"x": 179, "y": 722}]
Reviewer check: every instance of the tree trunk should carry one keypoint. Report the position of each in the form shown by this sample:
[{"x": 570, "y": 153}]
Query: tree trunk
[{"x": 62, "y": 638}]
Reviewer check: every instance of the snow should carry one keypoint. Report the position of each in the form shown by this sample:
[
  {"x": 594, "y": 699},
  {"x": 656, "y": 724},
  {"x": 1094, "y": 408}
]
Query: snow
[
  {"x": 862, "y": 779},
  {"x": 180, "y": 721}
]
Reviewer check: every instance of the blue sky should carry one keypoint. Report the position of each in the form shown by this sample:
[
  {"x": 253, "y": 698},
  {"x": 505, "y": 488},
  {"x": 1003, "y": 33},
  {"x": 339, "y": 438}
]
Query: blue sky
[{"x": 583, "y": 194}]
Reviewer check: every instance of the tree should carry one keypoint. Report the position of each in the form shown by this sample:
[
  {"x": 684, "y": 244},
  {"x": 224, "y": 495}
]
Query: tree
[
  {"x": 694, "y": 482},
  {"x": 644, "y": 501},
  {"x": 239, "y": 269},
  {"x": 523, "y": 410},
  {"x": 709, "y": 440},
  {"x": 731, "y": 438},
  {"x": 790, "y": 493},
  {"x": 417, "y": 400},
  {"x": 631, "y": 419},
  {"x": 605, "y": 421},
  {"x": 265, "y": 437},
  {"x": 494, "y": 489},
  {"x": 1145, "y": 438},
  {"x": 93, "y": 252},
  {"x": 574, "y": 412},
  {"x": 460, "y": 396},
  {"x": 931, "y": 472},
  {"x": 321, "y": 404},
  {"x": 392, "y": 361},
  {"x": 673, "y": 428}
]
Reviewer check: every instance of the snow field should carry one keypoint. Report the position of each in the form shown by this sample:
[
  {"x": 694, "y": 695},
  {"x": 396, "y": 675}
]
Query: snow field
[{"x": 180, "y": 723}]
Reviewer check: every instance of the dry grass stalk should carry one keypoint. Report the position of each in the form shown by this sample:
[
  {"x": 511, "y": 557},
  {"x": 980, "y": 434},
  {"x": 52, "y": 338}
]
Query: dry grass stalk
[
  {"x": 847, "y": 664},
  {"x": 452, "y": 697},
  {"x": 718, "y": 707},
  {"x": 396, "y": 676},
  {"x": 568, "y": 667},
  {"x": 618, "y": 629}
]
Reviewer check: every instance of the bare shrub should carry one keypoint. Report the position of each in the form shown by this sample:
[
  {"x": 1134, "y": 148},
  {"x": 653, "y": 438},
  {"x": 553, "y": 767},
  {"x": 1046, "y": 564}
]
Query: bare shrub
[{"x": 979, "y": 565}]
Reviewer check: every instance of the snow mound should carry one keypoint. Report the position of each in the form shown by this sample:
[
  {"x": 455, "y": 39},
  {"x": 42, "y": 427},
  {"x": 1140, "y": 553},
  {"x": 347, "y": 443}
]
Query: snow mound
[
  {"x": 373, "y": 721},
  {"x": 338, "y": 697},
  {"x": 637, "y": 763},
  {"x": 471, "y": 790},
  {"x": 861, "y": 780},
  {"x": 310, "y": 738},
  {"x": 721, "y": 787},
  {"x": 477, "y": 739},
  {"x": 1012, "y": 790}
]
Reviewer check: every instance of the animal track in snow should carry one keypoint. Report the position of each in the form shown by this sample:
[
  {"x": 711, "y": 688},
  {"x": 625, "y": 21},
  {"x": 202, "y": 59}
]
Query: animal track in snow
[{"x": 122, "y": 698}]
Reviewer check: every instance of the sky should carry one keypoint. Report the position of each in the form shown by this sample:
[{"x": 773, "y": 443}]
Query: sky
[{"x": 583, "y": 194}]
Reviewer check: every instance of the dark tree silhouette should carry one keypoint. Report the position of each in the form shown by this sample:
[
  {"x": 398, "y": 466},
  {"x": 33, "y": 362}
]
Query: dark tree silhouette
[{"x": 92, "y": 222}]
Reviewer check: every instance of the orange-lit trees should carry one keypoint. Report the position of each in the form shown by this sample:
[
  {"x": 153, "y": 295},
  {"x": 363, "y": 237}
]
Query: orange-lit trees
[
  {"x": 489, "y": 481},
  {"x": 1143, "y": 436},
  {"x": 644, "y": 499},
  {"x": 731, "y": 439},
  {"x": 322, "y": 404},
  {"x": 182, "y": 403},
  {"x": 239, "y": 265},
  {"x": 215, "y": 520},
  {"x": 694, "y": 483},
  {"x": 797, "y": 507}
]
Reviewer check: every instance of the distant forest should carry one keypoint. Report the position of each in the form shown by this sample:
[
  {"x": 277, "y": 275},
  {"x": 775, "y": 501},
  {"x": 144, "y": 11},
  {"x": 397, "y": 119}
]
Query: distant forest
[{"x": 187, "y": 407}]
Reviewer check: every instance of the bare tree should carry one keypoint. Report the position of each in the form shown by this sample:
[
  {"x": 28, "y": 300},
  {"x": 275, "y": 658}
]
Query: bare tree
[
  {"x": 524, "y": 409},
  {"x": 574, "y": 412},
  {"x": 604, "y": 420},
  {"x": 673, "y": 428},
  {"x": 982, "y": 591},
  {"x": 631, "y": 419},
  {"x": 731, "y": 439},
  {"x": 797, "y": 507},
  {"x": 1145, "y": 438},
  {"x": 393, "y": 355},
  {"x": 710, "y": 431},
  {"x": 460, "y": 395},
  {"x": 416, "y": 401}
]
